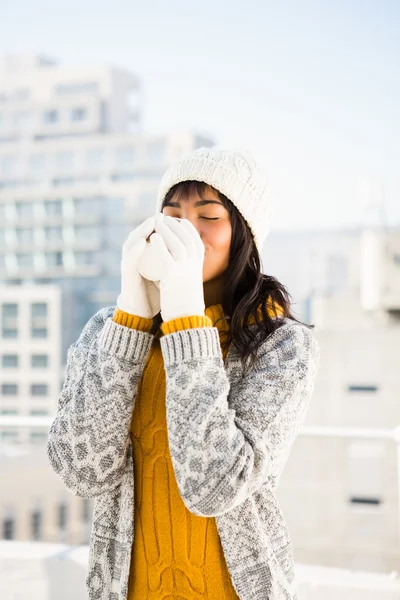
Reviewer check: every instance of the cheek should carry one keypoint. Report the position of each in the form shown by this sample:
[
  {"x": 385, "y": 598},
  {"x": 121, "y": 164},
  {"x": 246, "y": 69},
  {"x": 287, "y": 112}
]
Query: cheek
[{"x": 219, "y": 240}]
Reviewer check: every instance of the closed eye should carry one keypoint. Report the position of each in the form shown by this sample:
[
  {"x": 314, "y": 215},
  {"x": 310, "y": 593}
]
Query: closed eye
[{"x": 210, "y": 219}]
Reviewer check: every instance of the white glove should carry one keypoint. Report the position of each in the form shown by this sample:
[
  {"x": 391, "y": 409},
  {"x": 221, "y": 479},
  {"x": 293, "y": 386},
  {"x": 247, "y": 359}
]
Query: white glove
[
  {"x": 181, "y": 282},
  {"x": 138, "y": 296}
]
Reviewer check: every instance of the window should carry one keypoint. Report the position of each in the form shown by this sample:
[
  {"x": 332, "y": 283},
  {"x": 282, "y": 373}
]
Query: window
[
  {"x": 8, "y": 165},
  {"x": 24, "y": 209},
  {"x": 62, "y": 516},
  {"x": 2, "y": 236},
  {"x": 53, "y": 207},
  {"x": 50, "y": 116},
  {"x": 362, "y": 388},
  {"x": 39, "y": 412},
  {"x": 86, "y": 510},
  {"x": 8, "y": 528},
  {"x": 125, "y": 156},
  {"x": 10, "y": 412},
  {"x": 38, "y": 437},
  {"x": 53, "y": 234},
  {"x": 365, "y": 500},
  {"x": 9, "y": 389},
  {"x": 9, "y": 321},
  {"x": 65, "y": 160},
  {"x": 39, "y": 389},
  {"x": 95, "y": 158},
  {"x": 86, "y": 232},
  {"x": 10, "y": 361},
  {"x": 25, "y": 260},
  {"x": 54, "y": 259},
  {"x": 86, "y": 205},
  {"x": 37, "y": 162},
  {"x": 79, "y": 114},
  {"x": 39, "y": 361},
  {"x": 39, "y": 309},
  {"x": 9, "y": 437},
  {"x": 88, "y": 87},
  {"x": 39, "y": 333},
  {"x": 36, "y": 523},
  {"x": 84, "y": 258},
  {"x": 24, "y": 235}
]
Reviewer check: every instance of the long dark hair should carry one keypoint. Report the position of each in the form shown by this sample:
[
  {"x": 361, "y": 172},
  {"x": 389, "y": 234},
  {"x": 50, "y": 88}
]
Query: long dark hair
[{"x": 246, "y": 290}]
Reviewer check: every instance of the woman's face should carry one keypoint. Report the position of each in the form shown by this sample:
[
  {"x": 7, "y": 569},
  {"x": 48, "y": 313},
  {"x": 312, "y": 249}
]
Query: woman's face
[{"x": 213, "y": 224}]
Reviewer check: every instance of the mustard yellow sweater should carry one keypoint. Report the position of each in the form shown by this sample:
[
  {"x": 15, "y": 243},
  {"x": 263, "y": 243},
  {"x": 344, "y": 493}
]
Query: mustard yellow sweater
[{"x": 176, "y": 554}]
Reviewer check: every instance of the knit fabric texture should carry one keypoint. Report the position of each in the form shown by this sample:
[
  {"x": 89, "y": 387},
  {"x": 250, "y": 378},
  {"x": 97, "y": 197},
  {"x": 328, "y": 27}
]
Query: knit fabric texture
[
  {"x": 229, "y": 437},
  {"x": 235, "y": 174}
]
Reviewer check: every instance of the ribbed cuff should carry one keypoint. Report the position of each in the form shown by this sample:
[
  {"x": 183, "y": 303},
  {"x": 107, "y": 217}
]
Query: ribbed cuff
[
  {"x": 132, "y": 321},
  {"x": 185, "y": 323},
  {"x": 188, "y": 344},
  {"x": 125, "y": 343}
]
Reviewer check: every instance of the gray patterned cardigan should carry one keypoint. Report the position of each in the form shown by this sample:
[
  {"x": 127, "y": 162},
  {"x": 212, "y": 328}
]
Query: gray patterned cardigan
[{"x": 229, "y": 437}]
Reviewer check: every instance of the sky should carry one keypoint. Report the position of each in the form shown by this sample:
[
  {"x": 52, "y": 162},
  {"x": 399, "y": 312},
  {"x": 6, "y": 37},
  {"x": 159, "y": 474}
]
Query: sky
[{"x": 312, "y": 88}]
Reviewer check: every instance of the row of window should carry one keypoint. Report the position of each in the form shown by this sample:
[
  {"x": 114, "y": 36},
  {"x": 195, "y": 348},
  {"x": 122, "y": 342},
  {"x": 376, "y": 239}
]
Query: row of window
[
  {"x": 34, "y": 412},
  {"x": 24, "y": 260},
  {"x": 36, "y": 389},
  {"x": 11, "y": 361},
  {"x": 13, "y": 437},
  {"x": 94, "y": 158},
  {"x": 10, "y": 315},
  {"x": 37, "y": 520},
  {"x": 69, "y": 207},
  {"x": 54, "y": 233},
  {"x": 59, "y": 182}
]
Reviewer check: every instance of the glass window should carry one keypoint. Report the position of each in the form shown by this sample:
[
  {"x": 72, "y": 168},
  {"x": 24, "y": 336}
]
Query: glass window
[
  {"x": 53, "y": 207},
  {"x": 9, "y": 412},
  {"x": 9, "y": 321},
  {"x": 8, "y": 165},
  {"x": 62, "y": 515},
  {"x": 39, "y": 389},
  {"x": 125, "y": 156},
  {"x": 10, "y": 361},
  {"x": 39, "y": 412},
  {"x": 86, "y": 205},
  {"x": 39, "y": 332},
  {"x": 8, "y": 523},
  {"x": 54, "y": 259},
  {"x": 50, "y": 116},
  {"x": 23, "y": 119},
  {"x": 37, "y": 162},
  {"x": 25, "y": 260},
  {"x": 53, "y": 234},
  {"x": 84, "y": 87},
  {"x": 24, "y": 235},
  {"x": 39, "y": 309},
  {"x": 65, "y": 160},
  {"x": 38, "y": 437},
  {"x": 84, "y": 258},
  {"x": 86, "y": 232},
  {"x": 24, "y": 209},
  {"x": 86, "y": 512},
  {"x": 95, "y": 158},
  {"x": 10, "y": 310},
  {"x": 39, "y": 361},
  {"x": 9, "y": 389},
  {"x": 79, "y": 114},
  {"x": 36, "y": 523}
]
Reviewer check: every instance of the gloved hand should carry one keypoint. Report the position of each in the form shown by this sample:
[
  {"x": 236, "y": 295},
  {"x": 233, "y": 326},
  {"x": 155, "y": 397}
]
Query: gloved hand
[
  {"x": 138, "y": 296},
  {"x": 181, "y": 283}
]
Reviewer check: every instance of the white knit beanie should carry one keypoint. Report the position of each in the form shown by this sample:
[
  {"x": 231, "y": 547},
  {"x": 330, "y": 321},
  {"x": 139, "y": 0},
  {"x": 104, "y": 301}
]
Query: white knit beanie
[{"x": 235, "y": 174}]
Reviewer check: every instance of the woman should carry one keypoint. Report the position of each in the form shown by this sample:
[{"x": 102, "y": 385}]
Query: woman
[{"x": 181, "y": 404}]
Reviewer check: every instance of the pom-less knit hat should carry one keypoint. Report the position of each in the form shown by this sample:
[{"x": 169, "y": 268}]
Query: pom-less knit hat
[{"x": 235, "y": 174}]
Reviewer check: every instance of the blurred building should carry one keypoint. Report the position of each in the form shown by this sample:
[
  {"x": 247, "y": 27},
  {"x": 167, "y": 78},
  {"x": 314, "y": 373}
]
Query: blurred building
[
  {"x": 30, "y": 358},
  {"x": 347, "y": 484},
  {"x": 76, "y": 175}
]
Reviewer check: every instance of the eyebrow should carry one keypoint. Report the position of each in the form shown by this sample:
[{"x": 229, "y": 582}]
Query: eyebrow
[{"x": 199, "y": 203}]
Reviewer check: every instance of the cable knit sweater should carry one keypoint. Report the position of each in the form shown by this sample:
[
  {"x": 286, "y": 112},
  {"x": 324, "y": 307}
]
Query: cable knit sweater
[{"x": 229, "y": 437}]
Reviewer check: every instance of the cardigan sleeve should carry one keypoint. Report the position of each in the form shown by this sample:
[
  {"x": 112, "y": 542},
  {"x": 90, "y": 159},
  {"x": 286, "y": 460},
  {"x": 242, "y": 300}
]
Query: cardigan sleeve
[
  {"x": 226, "y": 442},
  {"x": 89, "y": 437}
]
